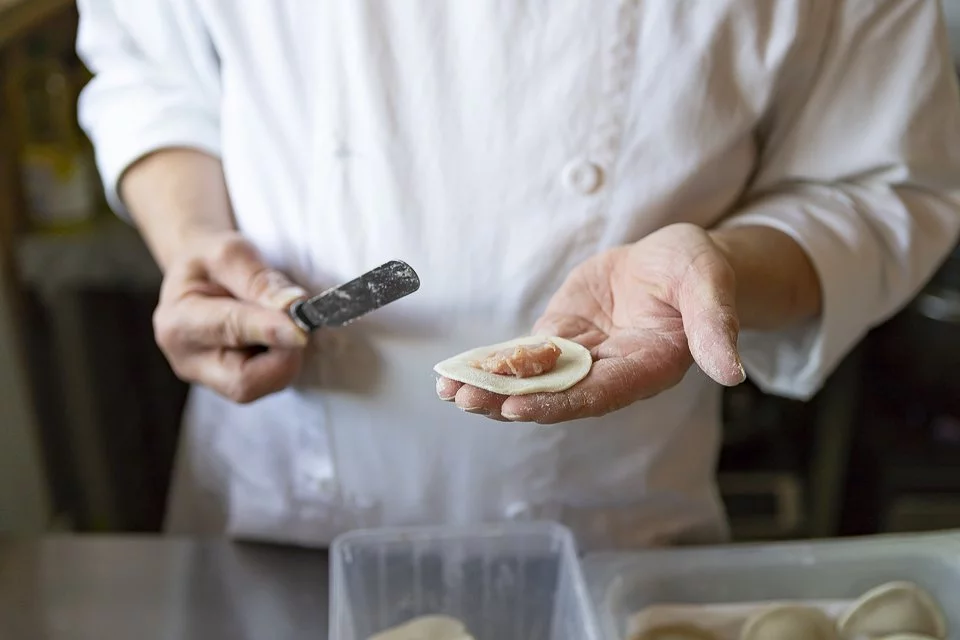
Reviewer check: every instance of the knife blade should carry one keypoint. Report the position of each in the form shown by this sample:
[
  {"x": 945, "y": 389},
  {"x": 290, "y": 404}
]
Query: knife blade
[{"x": 342, "y": 305}]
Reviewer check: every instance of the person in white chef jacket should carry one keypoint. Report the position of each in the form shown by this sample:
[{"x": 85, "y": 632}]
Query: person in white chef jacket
[{"x": 651, "y": 178}]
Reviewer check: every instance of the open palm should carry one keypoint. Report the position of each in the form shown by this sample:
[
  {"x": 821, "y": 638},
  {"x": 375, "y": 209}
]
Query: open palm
[{"x": 647, "y": 312}]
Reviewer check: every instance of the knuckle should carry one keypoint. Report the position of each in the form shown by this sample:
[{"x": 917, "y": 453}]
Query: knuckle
[
  {"x": 166, "y": 329},
  {"x": 241, "y": 391},
  {"x": 228, "y": 250},
  {"x": 264, "y": 280},
  {"x": 173, "y": 282},
  {"x": 167, "y": 333},
  {"x": 181, "y": 370},
  {"x": 184, "y": 278},
  {"x": 713, "y": 266}
]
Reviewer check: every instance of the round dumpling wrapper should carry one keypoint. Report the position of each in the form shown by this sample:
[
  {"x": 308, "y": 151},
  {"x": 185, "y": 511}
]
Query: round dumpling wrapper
[
  {"x": 790, "y": 623},
  {"x": 427, "y": 628},
  {"x": 573, "y": 366},
  {"x": 679, "y": 631},
  {"x": 895, "y": 607}
]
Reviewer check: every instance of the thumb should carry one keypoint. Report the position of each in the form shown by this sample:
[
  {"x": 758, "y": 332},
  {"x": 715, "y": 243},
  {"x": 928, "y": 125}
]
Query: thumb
[
  {"x": 238, "y": 267},
  {"x": 707, "y": 300},
  {"x": 201, "y": 323}
]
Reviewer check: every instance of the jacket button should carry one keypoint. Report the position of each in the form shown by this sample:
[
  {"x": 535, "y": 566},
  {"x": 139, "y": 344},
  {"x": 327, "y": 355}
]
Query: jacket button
[{"x": 582, "y": 176}]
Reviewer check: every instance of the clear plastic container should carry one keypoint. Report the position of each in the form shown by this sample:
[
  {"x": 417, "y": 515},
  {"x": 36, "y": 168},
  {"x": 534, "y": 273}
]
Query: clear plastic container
[
  {"x": 622, "y": 584},
  {"x": 507, "y": 582}
]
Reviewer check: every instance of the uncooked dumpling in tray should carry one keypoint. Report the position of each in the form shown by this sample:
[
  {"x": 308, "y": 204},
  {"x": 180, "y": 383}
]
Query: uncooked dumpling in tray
[
  {"x": 679, "y": 631},
  {"x": 427, "y": 628},
  {"x": 896, "y": 607},
  {"x": 519, "y": 367},
  {"x": 790, "y": 623}
]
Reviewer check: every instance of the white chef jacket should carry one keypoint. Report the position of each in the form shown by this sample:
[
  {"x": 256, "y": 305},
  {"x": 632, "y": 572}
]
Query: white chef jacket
[{"x": 493, "y": 146}]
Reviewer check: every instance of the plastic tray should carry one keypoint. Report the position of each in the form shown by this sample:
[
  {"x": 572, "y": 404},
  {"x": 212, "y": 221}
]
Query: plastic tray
[
  {"x": 622, "y": 584},
  {"x": 512, "y": 582}
]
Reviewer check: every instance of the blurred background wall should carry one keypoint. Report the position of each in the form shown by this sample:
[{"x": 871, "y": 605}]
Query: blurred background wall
[
  {"x": 952, "y": 10},
  {"x": 24, "y": 497}
]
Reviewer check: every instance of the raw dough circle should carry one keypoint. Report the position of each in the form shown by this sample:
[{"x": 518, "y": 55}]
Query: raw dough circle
[
  {"x": 426, "y": 628},
  {"x": 679, "y": 631},
  {"x": 789, "y": 623},
  {"x": 572, "y": 367},
  {"x": 895, "y": 607}
]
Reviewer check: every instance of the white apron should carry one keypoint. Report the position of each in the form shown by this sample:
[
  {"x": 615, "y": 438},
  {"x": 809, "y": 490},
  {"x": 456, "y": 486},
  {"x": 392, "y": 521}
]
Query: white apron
[{"x": 494, "y": 145}]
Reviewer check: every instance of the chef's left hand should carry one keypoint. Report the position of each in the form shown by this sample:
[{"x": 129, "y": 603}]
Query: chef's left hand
[{"x": 647, "y": 312}]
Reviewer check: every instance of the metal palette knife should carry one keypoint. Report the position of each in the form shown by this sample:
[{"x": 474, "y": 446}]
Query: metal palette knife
[{"x": 342, "y": 305}]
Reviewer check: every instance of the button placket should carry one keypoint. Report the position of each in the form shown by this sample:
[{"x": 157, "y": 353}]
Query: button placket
[{"x": 587, "y": 175}]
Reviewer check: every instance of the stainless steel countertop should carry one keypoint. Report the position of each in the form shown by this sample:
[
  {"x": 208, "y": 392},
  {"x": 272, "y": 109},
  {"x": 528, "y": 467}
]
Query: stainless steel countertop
[{"x": 152, "y": 588}]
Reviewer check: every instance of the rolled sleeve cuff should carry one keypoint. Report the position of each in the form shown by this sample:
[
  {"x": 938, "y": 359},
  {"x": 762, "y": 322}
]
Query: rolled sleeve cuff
[
  {"x": 122, "y": 147},
  {"x": 795, "y": 362}
]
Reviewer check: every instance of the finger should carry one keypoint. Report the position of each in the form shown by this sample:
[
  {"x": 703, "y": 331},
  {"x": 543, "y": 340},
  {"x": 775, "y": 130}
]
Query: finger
[
  {"x": 707, "y": 299},
  {"x": 447, "y": 389},
  {"x": 605, "y": 389},
  {"x": 474, "y": 400},
  {"x": 713, "y": 345},
  {"x": 612, "y": 384},
  {"x": 244, "y": 378},
  {"x": 201, "y": 322},
  {"x": 238, "y": 266}
]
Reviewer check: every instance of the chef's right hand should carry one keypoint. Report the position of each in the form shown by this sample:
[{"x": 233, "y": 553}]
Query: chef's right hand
[{"x": 218, "y": 304}]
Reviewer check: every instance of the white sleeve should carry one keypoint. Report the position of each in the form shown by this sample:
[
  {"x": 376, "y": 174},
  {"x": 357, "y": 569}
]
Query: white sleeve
[
  {"x": 155, "y": 84},
  {"x": 861, "y": 166}
]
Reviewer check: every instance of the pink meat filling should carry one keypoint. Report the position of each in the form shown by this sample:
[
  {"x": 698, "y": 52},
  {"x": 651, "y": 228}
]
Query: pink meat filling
[{"x": 524, "y": 361}]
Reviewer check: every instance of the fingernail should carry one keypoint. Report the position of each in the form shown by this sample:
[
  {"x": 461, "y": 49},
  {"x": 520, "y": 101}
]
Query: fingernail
[
  {"x": 445, "y": 396},
  {"x": 285, "y": 297},
  {"x": 511, "y": 417},
  {"x": 478, "y": 411}
]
